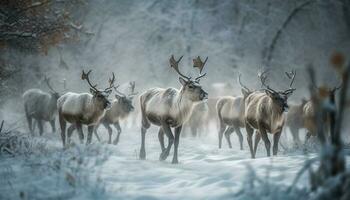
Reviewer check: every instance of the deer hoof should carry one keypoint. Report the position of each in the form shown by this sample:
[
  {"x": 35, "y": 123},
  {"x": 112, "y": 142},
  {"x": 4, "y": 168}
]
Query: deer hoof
[
  {"x": 175, "y": 161},
  {"x": 163, "y": 155},
  {"x": 142, "y": 155}
]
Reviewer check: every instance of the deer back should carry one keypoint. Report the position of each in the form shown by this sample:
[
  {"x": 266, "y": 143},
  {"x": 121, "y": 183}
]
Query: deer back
[
  {"x": 261, "y": 111},
  {"x": 81, "y": 108},
  {"x": 231, "y": 110},
  {"x": 165, "y": 104},
  {"x": 39, "y": 104}
]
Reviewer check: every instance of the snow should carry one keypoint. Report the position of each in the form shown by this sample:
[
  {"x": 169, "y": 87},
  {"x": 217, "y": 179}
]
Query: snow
[{"x": 102, "y": 171}]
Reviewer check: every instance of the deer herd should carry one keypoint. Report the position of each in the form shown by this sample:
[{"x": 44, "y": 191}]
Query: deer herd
[{"x": 262, "y": 111}]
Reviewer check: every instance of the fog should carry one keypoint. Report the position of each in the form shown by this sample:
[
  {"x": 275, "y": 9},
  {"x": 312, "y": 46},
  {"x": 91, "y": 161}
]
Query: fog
[{"x": 134, "y": 40}]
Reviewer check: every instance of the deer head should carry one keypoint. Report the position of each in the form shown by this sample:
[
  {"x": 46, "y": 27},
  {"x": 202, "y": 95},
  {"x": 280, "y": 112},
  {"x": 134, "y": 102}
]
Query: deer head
[
  {"x": 124, "y": 101},
  {"x": 190, "y": 87},
  {"x": 99, "y": 95},
  {"x": 279, "y": 97}
]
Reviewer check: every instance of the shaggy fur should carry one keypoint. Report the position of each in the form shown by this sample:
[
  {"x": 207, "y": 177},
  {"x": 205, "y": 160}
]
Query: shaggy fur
[{"x": 41, "y": 106}]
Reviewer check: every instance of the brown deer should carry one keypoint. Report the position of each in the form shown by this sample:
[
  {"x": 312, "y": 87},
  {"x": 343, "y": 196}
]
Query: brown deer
[
  {"x": 41, "y": 106},
  {"x": 83, "y": 109},
  {"x": 230, "y": 111},
  {"x": 309, "y": 113},
  {"x": 294, "y": 120},
  {"x": 198, "y": 119},
  {"x": 120, "y": 109},
  {"x": 171, "y": 108},
  {"x": 264, "y": 112}
]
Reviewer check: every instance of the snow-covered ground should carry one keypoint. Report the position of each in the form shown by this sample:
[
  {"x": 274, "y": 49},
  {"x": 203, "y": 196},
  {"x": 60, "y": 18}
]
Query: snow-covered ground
[{"x": 103, "y": 171}]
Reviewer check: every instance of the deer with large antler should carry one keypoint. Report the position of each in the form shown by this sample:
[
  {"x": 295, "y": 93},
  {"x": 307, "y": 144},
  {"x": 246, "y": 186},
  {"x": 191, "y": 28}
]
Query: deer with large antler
[
  {"x": 170, "y": 108},
  {"x": 83, "y": 109},
  {"x": 120, "y": 109},
  {"x": 230, "y": 111},
  {"x": 264, "y": 112},
  {"x": 41, "y": 106}
]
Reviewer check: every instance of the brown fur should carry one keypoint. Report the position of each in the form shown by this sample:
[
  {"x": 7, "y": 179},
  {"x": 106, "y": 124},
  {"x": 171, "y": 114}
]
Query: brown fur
[
  {"x": 294, "y": 120},
  {"x": 230, "y": 111},
  {"x": 265, "y": 115},
  {"x": 168, "y": 108}
]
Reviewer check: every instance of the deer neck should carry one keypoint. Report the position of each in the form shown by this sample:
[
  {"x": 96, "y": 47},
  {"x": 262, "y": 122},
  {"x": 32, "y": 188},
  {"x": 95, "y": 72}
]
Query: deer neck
[
  {"x": 95, "y": 106},
  {"x": 184, "y": 106}
]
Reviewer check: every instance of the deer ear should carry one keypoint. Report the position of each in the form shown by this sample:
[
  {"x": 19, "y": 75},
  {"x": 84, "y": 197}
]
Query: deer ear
[
  {"x": 270, "y": 94},
  {"x": 182, "y": 81},
  {"x": 93, "y": 92}
]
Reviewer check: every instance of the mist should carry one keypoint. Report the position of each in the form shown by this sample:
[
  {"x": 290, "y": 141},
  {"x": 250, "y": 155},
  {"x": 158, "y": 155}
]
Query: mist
[{"x": 135, "y": 39}]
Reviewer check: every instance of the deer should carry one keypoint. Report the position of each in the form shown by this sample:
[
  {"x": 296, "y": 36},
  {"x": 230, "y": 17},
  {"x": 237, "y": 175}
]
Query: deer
[
  {"x": 83, "y": 109},
  {"x": 308, "y": 115},
  {"x": 294, "y": 120},
  {"x": 264, "y": 112},
  {"x": 230, "y": 112},
  {"x": 41, "y": 106},
  {"x": 170, "y": 108},
  {"x": 120, "y": 109},
  {"x": 199, "y": 119}
]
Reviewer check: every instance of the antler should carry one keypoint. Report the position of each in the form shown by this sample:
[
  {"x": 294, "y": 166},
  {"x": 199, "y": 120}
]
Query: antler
[
  {"x": 85, "y": 76},
  {"x": 200, "y": 65},
  {"x": 111, "y": 82},
  {"x": 175, "y": 64},
  {"x": 291, "y": 75},
  {"x": 132, "y": 88},
  {"x": 240, "y": 83},
  {"x": 118, "y": 92},
  {"x": 47, "y": 81},
  {"x": 263, "y": 79}
]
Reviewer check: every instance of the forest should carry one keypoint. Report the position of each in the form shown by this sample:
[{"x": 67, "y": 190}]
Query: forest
[{"x": 166, "y": 99}]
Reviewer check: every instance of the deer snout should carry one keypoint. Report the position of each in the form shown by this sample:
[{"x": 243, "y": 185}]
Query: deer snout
[{"x": 107, "y": 105}]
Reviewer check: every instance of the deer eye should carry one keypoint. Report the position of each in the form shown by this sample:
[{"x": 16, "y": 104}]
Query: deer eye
[{"x": 190, "y": 86}]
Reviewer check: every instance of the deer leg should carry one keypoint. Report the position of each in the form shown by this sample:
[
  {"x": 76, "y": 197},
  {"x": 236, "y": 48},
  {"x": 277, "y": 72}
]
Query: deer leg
[
  {"x": 161, "y": 139},
  {"x": 96, "y": 134},
  {"x": 80, "y": 131},
  {"x": 295, "y": 135},
  {"x": 221, "y": 133},
  {"x": 40, "y": 127},
  {"x": 53, "y": 125},
  {"x": 142, "y": 149},
  {"x": 169, "y": 134},
  {"x": 89, "y": 136},
  {"x": 266, "y": 140},
  {"x": 63, "y": 124},
  {"x": 70, "y": 130},
  {"x": 109, "y": 129},
  {"x": 29, "y": 120},
  {"x": 193, "y": 130},
  {"x": 276, "y": 138},
  {"x": 257, "y": 140},
  {"x": 176, "y": 144},
  {"x": 250, "y": 132},
  {"x": 119, "y": 130},
  {"x": 228, "y": 132},
  {"x": 307, "y": 137},
  {"x": 240, "y": 137}
]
